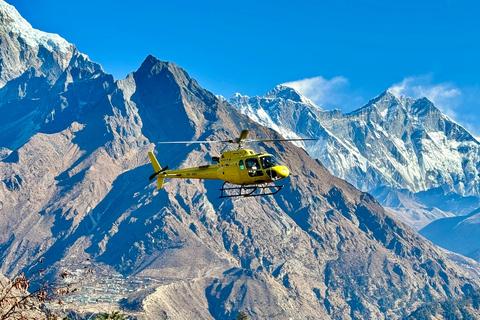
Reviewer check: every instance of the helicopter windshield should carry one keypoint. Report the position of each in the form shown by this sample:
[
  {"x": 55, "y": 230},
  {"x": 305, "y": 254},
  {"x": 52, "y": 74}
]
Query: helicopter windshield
[{"x": 269, "y": 161}]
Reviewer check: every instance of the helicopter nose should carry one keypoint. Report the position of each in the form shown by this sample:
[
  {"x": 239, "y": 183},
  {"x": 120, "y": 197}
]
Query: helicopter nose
[{"x": 282, "y": 172}]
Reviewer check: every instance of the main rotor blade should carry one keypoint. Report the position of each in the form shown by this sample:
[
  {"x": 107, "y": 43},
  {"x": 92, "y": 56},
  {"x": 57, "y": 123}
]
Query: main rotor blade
[
  {"x": 243, "y": 135},
  {"x": 197, "y": 141},
  {"x": 272, "y": 140},
  {"x": 241, "y": 139}
]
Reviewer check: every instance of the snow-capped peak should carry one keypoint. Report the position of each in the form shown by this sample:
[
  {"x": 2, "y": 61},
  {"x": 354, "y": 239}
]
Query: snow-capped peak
[
  {"x": 220, "y": 97},
  {"x": 12, "y": 21},
  {"x": 24, "y": 48},
  {"x": 394, "y": 92},
  {"x": 238, "y": 95},
  {"x": 284, "y": 92},
  {"x": 288, "y": 93}
]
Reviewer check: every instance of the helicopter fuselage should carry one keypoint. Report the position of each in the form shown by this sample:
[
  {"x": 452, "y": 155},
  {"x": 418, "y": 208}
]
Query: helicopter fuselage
[{"x": 241, "y": 167}]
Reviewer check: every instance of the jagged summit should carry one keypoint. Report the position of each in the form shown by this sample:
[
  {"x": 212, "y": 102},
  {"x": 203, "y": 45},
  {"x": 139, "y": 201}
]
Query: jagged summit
[
  {"x": 389, "y": 96},
  {"x": 284, "y": 92},
  {"x": 153, "y": 67},
  {"x": 151, "y": 63},
  {"x": 391, "y": 100},
  {"x": 393, "y": 91},
  {"x": 288, "y": 93},
  {"x": 283, "y": 109},
  {"x": 384, "y": 102}
]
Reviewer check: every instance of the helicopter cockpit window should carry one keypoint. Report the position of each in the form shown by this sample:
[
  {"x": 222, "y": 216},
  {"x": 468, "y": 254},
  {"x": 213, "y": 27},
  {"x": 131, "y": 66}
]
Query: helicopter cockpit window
[
  {"x": 240, "y": 165},
  {"x": 252, "y": 164},
  {"x": 253, "y": 167},
  {"x": 269, "y": 161}
]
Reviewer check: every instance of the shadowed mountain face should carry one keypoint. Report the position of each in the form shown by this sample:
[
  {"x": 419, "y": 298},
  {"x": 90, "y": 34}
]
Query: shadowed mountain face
[{"x": 75, "y": 186}]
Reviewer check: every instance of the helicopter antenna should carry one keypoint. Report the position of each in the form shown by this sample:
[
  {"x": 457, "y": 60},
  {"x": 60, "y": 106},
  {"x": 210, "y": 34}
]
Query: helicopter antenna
[{"x": 241, "y": 140}]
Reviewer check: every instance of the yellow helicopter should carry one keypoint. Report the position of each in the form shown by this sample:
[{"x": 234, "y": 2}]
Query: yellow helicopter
[{"x": 245, "y": 173}]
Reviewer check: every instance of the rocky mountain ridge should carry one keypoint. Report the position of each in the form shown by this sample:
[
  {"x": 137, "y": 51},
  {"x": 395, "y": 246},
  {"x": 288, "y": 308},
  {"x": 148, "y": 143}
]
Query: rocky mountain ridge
[{"x": 75, "y": 187}]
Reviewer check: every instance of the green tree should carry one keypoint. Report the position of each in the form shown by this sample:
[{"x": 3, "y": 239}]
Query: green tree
[
  {"x": 241, "y": 316},
  {"x": 115, "y": 315}
]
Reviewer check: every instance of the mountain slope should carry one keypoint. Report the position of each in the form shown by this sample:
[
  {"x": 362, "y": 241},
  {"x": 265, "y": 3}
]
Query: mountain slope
[{"x": 412, "y": 144}]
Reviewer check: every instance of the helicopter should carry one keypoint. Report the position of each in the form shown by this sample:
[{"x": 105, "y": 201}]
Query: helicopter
[{"x": 245, "y": 173}]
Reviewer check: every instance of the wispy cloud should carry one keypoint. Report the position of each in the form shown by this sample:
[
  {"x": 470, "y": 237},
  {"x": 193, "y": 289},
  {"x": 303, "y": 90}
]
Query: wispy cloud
[
  {"x": 445, "y": 96},
  {"x": 327, "y": 93}
]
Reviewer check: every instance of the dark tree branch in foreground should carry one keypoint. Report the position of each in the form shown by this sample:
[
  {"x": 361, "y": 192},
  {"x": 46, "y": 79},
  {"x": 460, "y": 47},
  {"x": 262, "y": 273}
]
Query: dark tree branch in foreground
[{"x": 18, "y": 301}]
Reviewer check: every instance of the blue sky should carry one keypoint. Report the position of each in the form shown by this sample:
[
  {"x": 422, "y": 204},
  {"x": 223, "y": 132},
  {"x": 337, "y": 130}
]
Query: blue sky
[{"x": 349, "y": 51}]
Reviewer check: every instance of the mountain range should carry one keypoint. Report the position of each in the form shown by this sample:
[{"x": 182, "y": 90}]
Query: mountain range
[
  {"x": 74, "y": 187},
  {"x": 416, "y": 161}
]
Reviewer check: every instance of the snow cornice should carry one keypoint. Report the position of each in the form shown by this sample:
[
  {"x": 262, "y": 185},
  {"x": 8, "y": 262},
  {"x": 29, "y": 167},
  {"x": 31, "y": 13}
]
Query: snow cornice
[{"x": 12, "y": 21}]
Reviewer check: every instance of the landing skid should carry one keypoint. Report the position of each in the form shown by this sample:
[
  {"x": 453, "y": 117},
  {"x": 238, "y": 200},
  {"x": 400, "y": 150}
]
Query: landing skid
[{"x": 253, "y": 190}]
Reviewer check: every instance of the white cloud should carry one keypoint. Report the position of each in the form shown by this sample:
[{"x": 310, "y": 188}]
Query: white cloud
[
  {"x": 324, "y": 92},
  {"x": 445, "y": 96}
]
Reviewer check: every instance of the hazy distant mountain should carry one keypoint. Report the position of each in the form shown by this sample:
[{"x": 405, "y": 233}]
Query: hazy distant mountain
[
  {"x": 393, "y": 143},
  {"x": 458, "y": 234},
  {"x": 75, "y": 186}
]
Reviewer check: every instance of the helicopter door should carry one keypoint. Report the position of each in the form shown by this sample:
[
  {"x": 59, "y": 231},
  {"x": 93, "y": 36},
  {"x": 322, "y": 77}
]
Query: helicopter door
[{"x": 243, "y": 172}]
